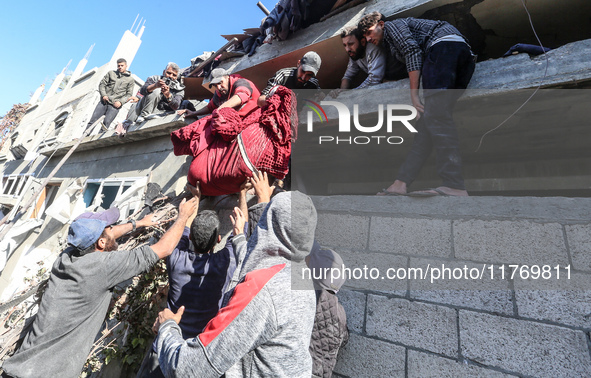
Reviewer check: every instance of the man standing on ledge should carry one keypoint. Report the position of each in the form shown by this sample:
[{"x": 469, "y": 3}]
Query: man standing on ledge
[
  {"x": 440, "y": 53},
  {"x": 116, "y": 89}
]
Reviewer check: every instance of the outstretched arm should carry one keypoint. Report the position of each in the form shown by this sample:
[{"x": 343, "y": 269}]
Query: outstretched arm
[
  {"x": 260, "y": 181},
  {"x": 171, "y": 238},
  {"x": 233, "y": 102},
  {"x": 122, "y": 229}
]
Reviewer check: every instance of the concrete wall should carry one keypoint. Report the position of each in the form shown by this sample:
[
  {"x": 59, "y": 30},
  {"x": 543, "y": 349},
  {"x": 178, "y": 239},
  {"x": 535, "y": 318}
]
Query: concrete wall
[{"x": 482, "y": 327}]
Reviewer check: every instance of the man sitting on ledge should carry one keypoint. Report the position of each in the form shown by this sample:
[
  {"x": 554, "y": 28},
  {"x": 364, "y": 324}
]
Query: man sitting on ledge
[{"x": 160, "y": 93}]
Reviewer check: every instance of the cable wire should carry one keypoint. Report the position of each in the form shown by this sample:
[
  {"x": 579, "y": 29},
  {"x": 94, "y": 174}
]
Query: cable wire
[{"x": 533, "y": 94}]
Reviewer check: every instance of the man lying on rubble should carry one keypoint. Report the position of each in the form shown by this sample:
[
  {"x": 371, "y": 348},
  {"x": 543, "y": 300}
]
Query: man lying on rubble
[
  {"x": 303, "y": 76},
  {"x": 441, "y": 55},
  {"x": 265, "y": 328},
  {"x": 369, "y": 58},
  {"x": 78, "y": 292},
  {"x": 232, "y": 91},
  {"x": 160, "y": 93}
]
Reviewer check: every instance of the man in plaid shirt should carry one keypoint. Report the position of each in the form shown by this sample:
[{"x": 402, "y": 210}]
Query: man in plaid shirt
[{"x": 439, "y": 53}]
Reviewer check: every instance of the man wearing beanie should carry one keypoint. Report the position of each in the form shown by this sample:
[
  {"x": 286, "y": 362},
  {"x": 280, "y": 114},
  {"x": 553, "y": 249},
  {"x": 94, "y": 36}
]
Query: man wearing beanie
[
  {"x": 264, "y": 330},
  {"x": 78, "y": 292}
]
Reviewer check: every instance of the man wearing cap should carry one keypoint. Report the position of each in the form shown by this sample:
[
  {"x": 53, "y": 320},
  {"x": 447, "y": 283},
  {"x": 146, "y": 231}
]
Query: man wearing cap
[
  {"x": 232, "y": 91},
  {"x": 78, "y": 292},
  {"x": 303, "y": 76}
]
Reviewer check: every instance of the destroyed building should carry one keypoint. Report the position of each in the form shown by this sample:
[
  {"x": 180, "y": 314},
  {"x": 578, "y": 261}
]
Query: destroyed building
[{"x": 530, "y": 182}]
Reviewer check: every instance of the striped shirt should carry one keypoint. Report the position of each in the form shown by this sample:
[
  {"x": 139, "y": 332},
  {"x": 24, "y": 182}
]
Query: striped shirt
[
  {"x": 408, "y": 39},
  {"x": 288, "y": 78}
]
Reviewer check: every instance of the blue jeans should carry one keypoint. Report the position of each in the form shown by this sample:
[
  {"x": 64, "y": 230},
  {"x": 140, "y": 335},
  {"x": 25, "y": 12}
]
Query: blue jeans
[{"x": 447, "y": 65}]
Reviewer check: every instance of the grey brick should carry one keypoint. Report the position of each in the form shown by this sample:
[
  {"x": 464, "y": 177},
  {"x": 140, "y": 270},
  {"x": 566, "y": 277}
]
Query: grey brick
[
  {"x": 364, "y": 357},
  {"x": 579, "y": 241},
  {"x": 357, "y": 261},
  {"x": 419, "y": 237},
  {"x": 496, "y": 301},
  {"x": 565, "y": 301},
  {"x": 423, "y": 365},
  {"x": 414, "y": 324},
  {"x": 524, "y": 347},
  {"x": 516, "y": 242},
  {"x": 482, "y": 294},
  {"x": 354, "y": 304},
  {"x": 342, "y": 230}
]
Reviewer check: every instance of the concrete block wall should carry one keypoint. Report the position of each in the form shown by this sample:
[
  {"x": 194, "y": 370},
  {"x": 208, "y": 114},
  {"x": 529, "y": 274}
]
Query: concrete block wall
[{"x": 488, "y": 326}]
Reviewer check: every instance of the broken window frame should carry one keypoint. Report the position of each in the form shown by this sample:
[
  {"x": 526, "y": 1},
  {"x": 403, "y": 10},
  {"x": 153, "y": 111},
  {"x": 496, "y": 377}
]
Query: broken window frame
[
  {"x": 14, "y": 185},
  {"x": 45, "y": 199},
  {"x": 128, "y": 207}
]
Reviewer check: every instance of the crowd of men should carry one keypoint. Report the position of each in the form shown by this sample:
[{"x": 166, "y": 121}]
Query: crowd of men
[{"x": 233, "y": 312}]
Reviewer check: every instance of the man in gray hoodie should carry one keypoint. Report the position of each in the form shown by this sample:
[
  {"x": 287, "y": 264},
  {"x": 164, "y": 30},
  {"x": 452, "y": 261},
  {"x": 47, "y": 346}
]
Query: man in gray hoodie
[{"x": 265, "y": 328}]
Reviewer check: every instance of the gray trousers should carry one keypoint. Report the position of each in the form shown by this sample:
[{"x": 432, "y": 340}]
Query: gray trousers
[{"x": 144, "y": 107}]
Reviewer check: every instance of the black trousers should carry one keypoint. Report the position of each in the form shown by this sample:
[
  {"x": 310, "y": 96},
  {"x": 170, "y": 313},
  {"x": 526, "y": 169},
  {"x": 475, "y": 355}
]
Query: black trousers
[{"x": 447, "y": 70}]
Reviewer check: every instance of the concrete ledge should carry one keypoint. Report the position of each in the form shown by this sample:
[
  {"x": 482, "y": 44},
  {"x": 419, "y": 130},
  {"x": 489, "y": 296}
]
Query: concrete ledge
[
  {"x": 150, "y": 129},
  {"x": 566, "y": 66},
  {"x": 548, "y": 209}
]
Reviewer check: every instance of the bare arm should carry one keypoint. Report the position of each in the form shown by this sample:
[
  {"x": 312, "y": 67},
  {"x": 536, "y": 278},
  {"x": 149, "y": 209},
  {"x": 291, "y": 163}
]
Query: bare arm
[
  {"x": 233, "y": 102},
  {"x": 263, "y": 190},
  {"x": 238, "y": 221},
  {"x": 170, "y": 239},
  {"x": 262, "y": 101},
  {"x": 196, "y": 191},
  {"x": 122, "y": 229},
  {"x": 415, "y": 77},
  {"x": 242, "y": 204},
  {"x": 193, "y": 114}
]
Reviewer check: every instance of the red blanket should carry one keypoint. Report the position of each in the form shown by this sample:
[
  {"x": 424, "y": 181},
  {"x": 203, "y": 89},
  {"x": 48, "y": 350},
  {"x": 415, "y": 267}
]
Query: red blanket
[{"x": 217, "y": 163}]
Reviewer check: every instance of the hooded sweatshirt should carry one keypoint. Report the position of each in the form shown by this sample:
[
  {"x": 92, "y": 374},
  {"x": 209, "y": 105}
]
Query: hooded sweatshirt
[{"x": 265, "y": 328}]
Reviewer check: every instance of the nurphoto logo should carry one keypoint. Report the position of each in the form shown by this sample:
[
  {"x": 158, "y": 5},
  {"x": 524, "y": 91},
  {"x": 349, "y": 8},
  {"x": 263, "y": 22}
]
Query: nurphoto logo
[{"x": 392, "y": 117}]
